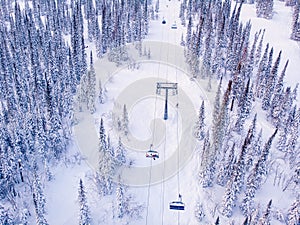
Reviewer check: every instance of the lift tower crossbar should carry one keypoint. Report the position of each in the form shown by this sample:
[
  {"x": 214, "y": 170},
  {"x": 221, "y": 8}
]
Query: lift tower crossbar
[{"x": 166, "y": 86}]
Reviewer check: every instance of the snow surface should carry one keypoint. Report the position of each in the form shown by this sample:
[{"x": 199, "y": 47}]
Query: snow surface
[{"x": 125, "y": 86}]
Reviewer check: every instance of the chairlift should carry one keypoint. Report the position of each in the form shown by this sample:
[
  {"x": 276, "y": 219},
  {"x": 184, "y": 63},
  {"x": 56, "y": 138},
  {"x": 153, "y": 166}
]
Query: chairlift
[
  {"x": 174, "y": 26},
  {"x": 152, "y": 154},
  {"x": 177, "y": 205}
]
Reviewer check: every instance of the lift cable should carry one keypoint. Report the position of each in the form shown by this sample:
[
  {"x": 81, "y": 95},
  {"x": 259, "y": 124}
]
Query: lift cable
[
  {"x": 148, "y": 195},
  {"x": 177, "y": 131},
  {"x": 153, "y": 135},
  {"x": 165, "y": 143}
]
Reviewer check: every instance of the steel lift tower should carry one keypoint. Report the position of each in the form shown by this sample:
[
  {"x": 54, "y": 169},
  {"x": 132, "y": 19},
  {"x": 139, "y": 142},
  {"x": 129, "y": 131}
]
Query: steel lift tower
[{"x": 172, "y": 87}]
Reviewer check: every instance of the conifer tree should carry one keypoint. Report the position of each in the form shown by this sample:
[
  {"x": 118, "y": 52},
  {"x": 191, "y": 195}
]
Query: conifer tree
[
  {"x": 39, "y": 200},
  {"x": 226, "y": 169},
  {"x": 230, "y": 196},
  {"x": 259, "y": 48},
  {"x": 296, "y": 23},
  {"x": 266, "y": 75},
  {"x": 125, "y": 121},
  {"x": 220, "y": 127},
  {"x": 244, "y": 108},
  {"x": 122, "y": 204},
  {"x": 101, "y": 93},
  {"x": 199, "y": 212},
  {"x": 91, "y": 86},
  {"x": 270, "y": 84},
  {"x": 120, "y": 153},
  {"x": 106, "y": 164},
  {"x": 294, "y": 213},
  {"x": 207, "y": 166},
  {"x": 266, "y": 217},
  {"x": 261, "y": 71},
  {"x": 84, "y": 213},
  {"x": 200, "y": 125},
  {"x": 275, "y": 107}
]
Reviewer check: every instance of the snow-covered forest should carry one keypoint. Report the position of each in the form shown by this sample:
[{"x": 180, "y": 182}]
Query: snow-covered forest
[{"x": 86, "y": 137}]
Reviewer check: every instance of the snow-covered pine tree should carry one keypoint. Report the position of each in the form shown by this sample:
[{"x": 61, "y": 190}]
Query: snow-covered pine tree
[
  {"x": 286, "y": 106},
  {"x": 157, "y": 6},
  {"x": 261, "y": 71},
  {"x": 244, "y": 109},
  {"x": 254, "y": 217},
  {"x": 199, "y": 212},
  {"x": 251, "y": 152},
  {"x": 39, "y": 200},
  {"x": 293, "y": 128},
  {"x": 266, "y": 75},
  {"x": 266, "y": 217},
  {"x": 282, "y": 139},
  {"x": 120, "y": 153},
  {"x": 122, "y": 204},
  {"x": 106, "y": 164},
  {"x": 125, "y": 204},
  {"x": 101, "y": 93},
  {"x": 239, "y": 170},
  {"x": 207, "y": 166},
  {"x": 247, "y": 203},
  {"x": 251, "y": 56},
  {"x": 220, "y": 127},
  {"x": 102, "y": 137},
  {"x": 206, "y": 71},
  {"x": 293, "y": 216},
  {"x": 254, "y": 180},
  {"x": 296, "y": 23},
  {"x": 226, "y": 169},
  {"x": 84, "y": 212},
  {"x": 182, "y": 42},
  {"x": 125, "y": 121},
  {"x": 5, "y": 217},
  {"x": 199, "y": 129},
  {"x": 264, "y": 8},
  {"x": 230, "y": 196},
  {"x": 270, "y": 84},
  {"x": 259, "y": 48},
  {"x": 91, "y": 86},
  {"x": 275, "y": 107},
  {"x": 110, "y": 147}
]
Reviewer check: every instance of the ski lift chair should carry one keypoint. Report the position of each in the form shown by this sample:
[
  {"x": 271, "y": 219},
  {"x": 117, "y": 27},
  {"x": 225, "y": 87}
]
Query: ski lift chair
[
  {"x": 177, "y": 205},
  {"x": 174, "y": 26},
  {"x": 152, "y": 154}
]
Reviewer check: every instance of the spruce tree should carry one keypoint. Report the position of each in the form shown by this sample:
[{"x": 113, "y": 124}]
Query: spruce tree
[
  {"x": 293, "y": 216},
  {"x": 84, "y": 213},
  {"x": 275, "y": 107},
  {"x": 199, "y": 129},
  {"x": 122, "y": 201},
  {"x": 226, "y": 169},
  {"x": 120, "y": 153},
  {"x": 39, "y": 200},
  {"x": 199, "y": 212},
  {"x": 296, "y": 23},
  {"x": 125, "y": 121},
  {"x": 270, "y": 84},
  {"x": 266, "y": 217},
  {"x": 230, "y": 197},
  {"x": 207, "y": 166}
]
